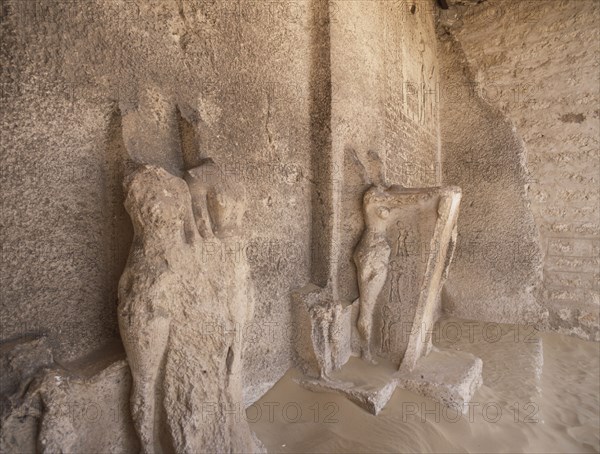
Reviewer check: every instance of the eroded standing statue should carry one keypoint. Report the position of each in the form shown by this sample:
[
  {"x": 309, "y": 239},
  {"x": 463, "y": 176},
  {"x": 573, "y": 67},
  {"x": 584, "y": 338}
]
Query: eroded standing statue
[
  {"x": 179, "y": 308},
  {"x": 371, "y": 258}
]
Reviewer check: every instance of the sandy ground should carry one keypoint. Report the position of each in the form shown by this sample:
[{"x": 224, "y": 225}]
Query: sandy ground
[{"x": 563, "y": 417}]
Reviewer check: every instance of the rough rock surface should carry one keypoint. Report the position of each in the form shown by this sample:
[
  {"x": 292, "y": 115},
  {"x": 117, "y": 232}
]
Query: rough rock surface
[
  {"x": 181, "y": 313},
  {"x": 534, "y": 64},
  {"x": 384, "y": 112},
  {"x": 497, "y": 267},
  {"x": 367, "y": 385},
  {"x": 308, "y": 104},
  {"x": 82, "y": 410},
  {"x": 447, "y": 376},
  {"x": 87, "y": 86},
  {"x": 20, "y": 360}
]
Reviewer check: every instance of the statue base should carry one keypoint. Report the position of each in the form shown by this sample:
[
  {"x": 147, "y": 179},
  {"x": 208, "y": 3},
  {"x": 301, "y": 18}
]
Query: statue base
[
  {"x": 369, "y": 386},
  {"x": 446, "y": 376}
]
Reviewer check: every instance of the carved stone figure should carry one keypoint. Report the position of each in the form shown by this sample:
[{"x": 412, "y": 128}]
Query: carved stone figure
[
  {"x": 402, "y": 261},
  {"x": 222, "y": 199},
  {"x": 179, "y": 308},
  {"x": 326, "y": 315},
  {"x": 218, "y": 200},
  {"x": 371, "y": 257},
  {"x": 323, "y": 331}
]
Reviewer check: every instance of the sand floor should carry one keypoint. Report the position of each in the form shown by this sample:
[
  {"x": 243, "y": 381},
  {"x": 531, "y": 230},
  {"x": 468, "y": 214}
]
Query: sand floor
[{"x": 562, "y": 417}]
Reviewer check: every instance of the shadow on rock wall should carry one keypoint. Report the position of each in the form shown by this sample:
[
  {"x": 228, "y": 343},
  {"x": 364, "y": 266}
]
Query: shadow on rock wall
[{"x": 497, "y": 268}]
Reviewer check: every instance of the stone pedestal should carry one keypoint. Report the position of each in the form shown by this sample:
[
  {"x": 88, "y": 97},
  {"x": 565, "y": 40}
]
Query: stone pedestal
[
  {"x": 447, "y": 376},
  {"x": 369, "y": 386}
]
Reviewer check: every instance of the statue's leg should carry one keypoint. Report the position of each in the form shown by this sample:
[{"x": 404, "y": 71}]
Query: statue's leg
[
  {"x": 372, "y": 258},
  {"x": 236, "y": 349},
  {"x": 365, "y": 324},
  {"x": 326, "y": 360},
  {"x": 145, "y": 343},
  {"x": 370, "y": 285}
]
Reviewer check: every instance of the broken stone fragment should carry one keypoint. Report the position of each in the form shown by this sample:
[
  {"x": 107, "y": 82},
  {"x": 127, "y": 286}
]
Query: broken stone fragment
[
  {"x": 323, "y": 338},
  {"x": 82, "y": 410},
  {"x": 20, "y": 360},
  {"x": 448, "y": 376}
]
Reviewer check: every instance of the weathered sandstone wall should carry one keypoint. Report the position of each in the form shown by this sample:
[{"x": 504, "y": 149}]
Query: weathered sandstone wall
[
  {"x": 88, "y": 86},
  {"x": 308, "y": 103},
  {"x": 384, "y": 112},
  {"x": 262, "y": 87},
  {"x": 534, "y": 64}
]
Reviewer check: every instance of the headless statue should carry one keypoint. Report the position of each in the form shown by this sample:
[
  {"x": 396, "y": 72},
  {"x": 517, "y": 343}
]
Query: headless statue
[
  {"x": 371, "y": 257},
  {"x": 179, "y": 307}
]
